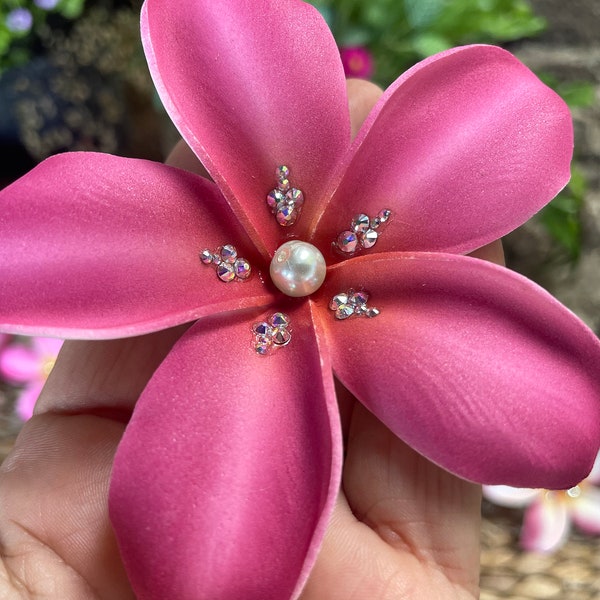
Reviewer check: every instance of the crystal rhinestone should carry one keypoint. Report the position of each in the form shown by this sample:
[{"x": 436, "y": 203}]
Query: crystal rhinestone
[
  {"x": 206, "y": 256},
  {"x": 286, "y": 215},
  {"x": 228, "y": 253},
  {"x": 375, "y": 222},
  {"x": 372, "y": 312},
  {"x": 225, "y": 272},
  {"x": 283, "y": 185},
  {"x": 344, "y": 311},
  {"x": 347, "y": 242},
  {"x": 282, "y": 172},
  {"x": 369, "y": 238},
  {"x": 216, "y": 259},
  {"x": 361, "y": 223},
  {"x": 263, "y": 344},
  {"x": 338, "y": 300},
  {"x": 281, "y": 336},
  {"x": 262, "y": 328},
  {"x": 242, "y": 268},
  {"x": 295, "y": 197},
  {"x": 280, "y": 319},
  {"x": 384, "y": 215},
  {"x": 274, "y": 198},
  {"x": 358, "y": 298}
]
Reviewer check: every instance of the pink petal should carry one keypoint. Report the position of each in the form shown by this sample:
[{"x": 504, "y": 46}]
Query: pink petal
[
  {"x": 504, "y": 495},
  {"x": 27, "y": 399},
  {"x": 20, "y": 364},
  {"x": 545, "y": 525},
  {"x": 229, "y": 469},
  {"x": 483, "y": 372},
  {"x": 47, "y": 348},
  {"x": 252, "y": 86},
  {"x": 100, "y": 246},
  {"x": 585, "y": 510},
  {"x": 463, "y": 148}
]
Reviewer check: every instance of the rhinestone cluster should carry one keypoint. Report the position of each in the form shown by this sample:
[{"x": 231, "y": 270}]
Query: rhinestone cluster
[
  {"x": 362, "y": 234},
  {"x": 351, "y": 303},
  {"x": 228, "y": 265},
  {"x": 285, "y": 202},
  {"x": 271, "y": 334}
]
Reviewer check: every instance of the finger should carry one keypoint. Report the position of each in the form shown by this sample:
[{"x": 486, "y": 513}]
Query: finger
[
  {"x": 491, "y": 252},
  {"x": 56, "y": 538},
  {"x": 362, "y": 96}
]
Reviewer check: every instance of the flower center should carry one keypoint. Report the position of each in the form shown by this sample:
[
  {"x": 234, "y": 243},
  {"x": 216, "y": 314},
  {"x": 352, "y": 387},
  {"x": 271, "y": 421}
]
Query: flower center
[{"x": 298, "y": 269}]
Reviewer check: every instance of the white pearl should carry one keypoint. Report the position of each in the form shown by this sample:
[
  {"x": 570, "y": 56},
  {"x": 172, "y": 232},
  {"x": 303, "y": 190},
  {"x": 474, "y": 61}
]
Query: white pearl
[{"x": 298, "y": 269}]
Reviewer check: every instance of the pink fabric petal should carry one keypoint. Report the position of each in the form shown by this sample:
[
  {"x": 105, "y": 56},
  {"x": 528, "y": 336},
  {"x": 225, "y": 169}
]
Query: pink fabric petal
[
  {"x": 251, "y": 87},
  {"x": 585, "y": 510},
  {"x": 463, "y": 148},
  {"x": 546, "y": 525},
  {"x": 229, "y": 469},
  {"x": 27, "y": 399},
  {"x": 484, "y": 373},
  {"x": 100, "y": 246},
  {"x": 20, "y": 363},
  {"x": 504, "y": 495}
]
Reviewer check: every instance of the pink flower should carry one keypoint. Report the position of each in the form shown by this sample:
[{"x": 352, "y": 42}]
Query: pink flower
[
  {"x": 28, "y": 365},
  {"x": 228, "y": 471},
  {"x": 550, "y": 514},
  {"x": 357, "y": 61}
]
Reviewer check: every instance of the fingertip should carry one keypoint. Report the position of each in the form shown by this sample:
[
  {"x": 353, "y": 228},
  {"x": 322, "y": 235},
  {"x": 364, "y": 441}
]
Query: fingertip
[{"x": 362, "y": 96}]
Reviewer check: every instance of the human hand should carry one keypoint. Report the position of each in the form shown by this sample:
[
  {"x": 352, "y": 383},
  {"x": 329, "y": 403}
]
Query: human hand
[{"x": 402, "y": 528}]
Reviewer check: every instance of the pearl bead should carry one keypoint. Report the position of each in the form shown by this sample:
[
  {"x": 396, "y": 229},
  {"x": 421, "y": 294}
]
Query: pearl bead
[{"x": 298, "y": 269}]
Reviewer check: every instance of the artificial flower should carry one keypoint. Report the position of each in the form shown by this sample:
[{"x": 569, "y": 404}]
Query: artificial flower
[
  {"x": 28, "y": 365},
  {"x": 550, "y": 514},
  {"x": 229, "y": 468},
  {"x": 357, "y": 61}
]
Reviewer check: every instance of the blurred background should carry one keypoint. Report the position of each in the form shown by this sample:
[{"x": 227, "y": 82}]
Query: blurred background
[{"x": 73, "y": 77}]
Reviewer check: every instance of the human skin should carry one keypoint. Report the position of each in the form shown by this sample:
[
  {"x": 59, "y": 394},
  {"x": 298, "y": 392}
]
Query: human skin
[{"x": 402, "y": 528}]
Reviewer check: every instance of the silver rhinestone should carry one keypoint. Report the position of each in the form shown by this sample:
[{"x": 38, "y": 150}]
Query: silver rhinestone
[
  {"x": 347, "y": 242},
  {"x": 282, "y": 172},
  {"x": 228, "y": 253},
  {"x": 263, "y": 344},
  {"x": 242, "y": 268},
  {"x": 369, "y": 238},
  {"x": 281, "y": 336},
  {"x": 206, "y": 256},
  {"x": 274, "y": 198},
  {"x": 338, "y": 300},
  {"x": 384, "y": 215},
  {"x": 225, "y": 272},
  {"x": 262, "y": 328},
  {"x": 284, "y": 185},
  {"x": 344, "y": 311},
  {"x": 360, "y": 223},
  {"x": 375, "y": 222},
  {"x": 358, "y": 298},
  {"x": 279, "y": 319},
  {"x": 296, "y": 197},
  {"x": 286, "y": 215},
  {"x": 372, "y": 312}
]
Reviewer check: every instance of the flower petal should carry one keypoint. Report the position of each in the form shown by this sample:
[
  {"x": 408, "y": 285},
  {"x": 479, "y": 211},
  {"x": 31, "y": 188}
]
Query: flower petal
[
  {"x": 254, "y": 86},
  {"x": 463, "y": 148},
  {"x": 229, "y": 469},
  {"x": 546, "y": 525},
  {"x": 504, "y": 495},
  {"x": 585, "y": 510},
  {"x": 27, "y": 399},
  {"x": 485, "y": 373},
  {"x": 100, "y": 246},
  {"x": 20, "y": 363}
]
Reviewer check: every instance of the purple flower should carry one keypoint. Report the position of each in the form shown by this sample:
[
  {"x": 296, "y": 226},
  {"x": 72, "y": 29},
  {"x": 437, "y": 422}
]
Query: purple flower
[
  {"x": 19, "y": 20},
  {"x": 46, "y": 4}
]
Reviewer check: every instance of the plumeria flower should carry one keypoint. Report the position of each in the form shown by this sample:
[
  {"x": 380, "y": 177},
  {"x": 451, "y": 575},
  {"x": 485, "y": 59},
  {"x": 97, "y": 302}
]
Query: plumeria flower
[
  {"x": 550, "y": 514},
  {"x": 229, "y": 468},
  {"x": 28, "y": 365},
  {"x": 357, "y": 61}
]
